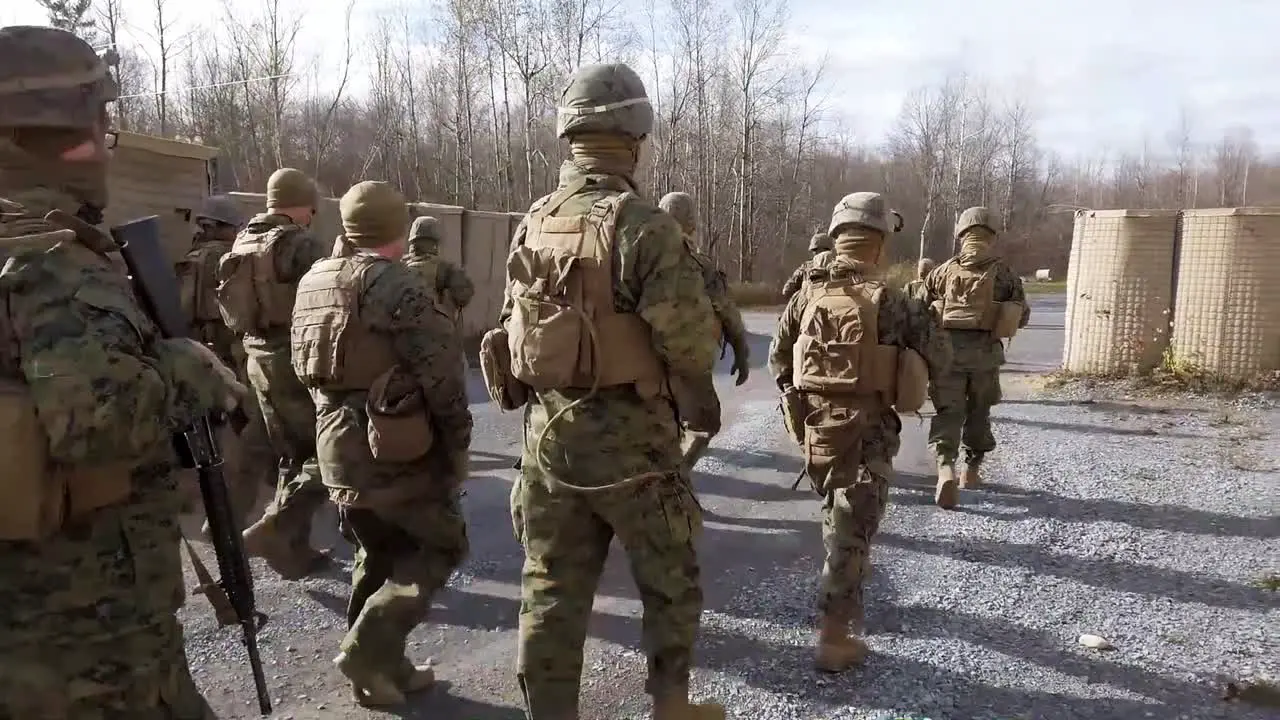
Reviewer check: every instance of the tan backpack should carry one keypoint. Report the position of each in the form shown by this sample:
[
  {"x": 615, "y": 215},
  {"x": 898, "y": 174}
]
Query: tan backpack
[
  {"x": 251, "y": 297},
  {"x": 968, "y": 302},
  {"x": 198, "y": 283}
]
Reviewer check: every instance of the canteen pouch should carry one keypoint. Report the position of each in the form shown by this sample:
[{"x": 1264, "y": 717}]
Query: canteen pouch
[
  {"x": 504, "y": 389},
  {"x": 1008, "y": 317},
  {"x": 794, "y": 410},
  {"x": 912, "y": 385},
  {"x": 399, "y": 426}
]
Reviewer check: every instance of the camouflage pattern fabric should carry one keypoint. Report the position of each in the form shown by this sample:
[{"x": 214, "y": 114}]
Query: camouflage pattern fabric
[
  {"x": 852, "y": 515},
  {"x": 614, "y": 435},
  {"x": 406, "y": 550},
  {"x": 963, "y": 399},
  {"x": 796, "y": 281},
  {"x": 287, "y": 410},
  {"x": 451, "y": 281},
  {"x": 110, "y": 391}
]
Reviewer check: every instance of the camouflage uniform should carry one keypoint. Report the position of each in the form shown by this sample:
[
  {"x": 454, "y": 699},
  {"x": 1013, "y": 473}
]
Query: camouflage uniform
[
  {"x": 400, "y": 509},
  {"x": 251, "y": 462},
  {"x": 453, "y": 289},
  {"x": 613, "y": 466},
  {"x": 855, "y": 495},
  {"x": 963, "y": 398},
  {"x": 283, "y": 535},
  {"x": 88, "y": 597},
  {"x": 819, "y": 243},
  {"x": 915, "y": 288},
  {"x": 699, "y": 405}
]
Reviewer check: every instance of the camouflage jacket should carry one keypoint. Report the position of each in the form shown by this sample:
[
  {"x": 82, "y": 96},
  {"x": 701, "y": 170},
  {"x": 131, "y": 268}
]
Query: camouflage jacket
[
  {"x": 451, "y": 282},
  {"x": 796, "y": 281},
  {"x": 617, "y": 433},
  {"x": 979, "y": 349},
  {"x": 735, "y": 332}
]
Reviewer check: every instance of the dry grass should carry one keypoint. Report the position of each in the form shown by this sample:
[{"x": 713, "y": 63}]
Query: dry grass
[
  {"x": 1045, "y": 288},
  {"x": 755, "y": 295}
]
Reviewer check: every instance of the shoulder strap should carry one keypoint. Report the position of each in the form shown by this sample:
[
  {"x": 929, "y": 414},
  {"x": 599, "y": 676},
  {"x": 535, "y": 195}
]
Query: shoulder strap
[{"x": 552, "y": 202}]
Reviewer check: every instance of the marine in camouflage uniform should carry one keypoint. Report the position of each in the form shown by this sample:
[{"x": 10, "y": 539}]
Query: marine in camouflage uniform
[
  {"x": 283, "y": 535},
  {"x": 251, "y": 462},
  {"x": 819, "y": 243},
  {"x": 915, "y": 288},
  {"x": 963, "y": 399},
  {"x": 701, "y": 407},
  {"x": 854, "y": 494},
  {"x": 88, "y": 596},
  {"x": 453, "y": 289},
  {"x": 383, "y": 364},
  {"x": 612, "y": 466}
]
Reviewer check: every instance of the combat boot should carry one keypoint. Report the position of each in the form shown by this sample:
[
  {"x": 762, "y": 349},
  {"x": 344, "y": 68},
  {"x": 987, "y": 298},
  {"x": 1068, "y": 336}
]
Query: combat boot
[
  {"x": 263, "y": 540},
  {"x": 676, "y": 706},
  {"x": 837, "y": 650},
  {"x": 947, "y": 492},
  {"x": 970, "y": 479},
  {"x": 415, "y": 678},
  {"x": 370, "y": 689}
]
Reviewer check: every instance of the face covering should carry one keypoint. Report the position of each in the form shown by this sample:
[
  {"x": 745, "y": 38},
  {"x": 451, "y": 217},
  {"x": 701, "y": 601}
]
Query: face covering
[{"x": 977, "y": 244}]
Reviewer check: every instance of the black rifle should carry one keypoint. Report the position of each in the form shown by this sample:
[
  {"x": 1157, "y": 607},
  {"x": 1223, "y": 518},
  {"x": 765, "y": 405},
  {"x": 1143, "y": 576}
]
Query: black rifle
[
  {"x": 156, "y": 285},
  {"x": 796, "y": 485}
]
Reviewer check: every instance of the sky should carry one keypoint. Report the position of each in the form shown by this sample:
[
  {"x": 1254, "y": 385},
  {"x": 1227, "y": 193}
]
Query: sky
[{"x": 1101, "y": 75}]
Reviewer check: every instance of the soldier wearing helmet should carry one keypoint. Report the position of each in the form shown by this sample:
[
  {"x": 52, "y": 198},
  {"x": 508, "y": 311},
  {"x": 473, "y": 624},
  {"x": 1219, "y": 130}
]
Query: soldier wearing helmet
[
  {"x": 91, "y": 590},
  {"x": 257, "y": 281},
  {"x": 981, "y": 302},
  {"x": 915, "y": 288},
  {"x": 453, "y": 289},
  {"x": 385, "y": 366},
  {"x": 703, "y": 421},
  {"x": 602, "y": 312},
  {"x": 819, "y": 243},
  {"x": 841, "y": 402}
]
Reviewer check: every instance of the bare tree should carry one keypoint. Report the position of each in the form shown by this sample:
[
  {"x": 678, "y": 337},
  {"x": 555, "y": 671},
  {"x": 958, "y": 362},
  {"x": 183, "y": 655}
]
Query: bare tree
[{"x": 74, "y": 16}]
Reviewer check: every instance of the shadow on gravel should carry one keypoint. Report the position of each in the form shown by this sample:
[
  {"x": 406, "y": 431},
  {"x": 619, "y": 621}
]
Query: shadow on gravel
[
  {"x": 491, "y": 461},
  {"x": 1169, "y": 518},
  {"x": 1095, "y": 572},
  {"x": 438, "y": 703},
  {"x": 1102, "y": 429}
]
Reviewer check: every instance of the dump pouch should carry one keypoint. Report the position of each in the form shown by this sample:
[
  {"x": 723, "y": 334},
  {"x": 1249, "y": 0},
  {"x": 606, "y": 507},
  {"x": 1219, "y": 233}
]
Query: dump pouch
[
  {"x": 794, "y": 410},
  {"x": 548, "y": 339},
  {"x": 912, "y": 384},
  {"x": 399, "y": 425},
  {"x": 1008, "y": 318},
  {"x": 833, "y": 447},
  {"x": 504, "y": 389}
]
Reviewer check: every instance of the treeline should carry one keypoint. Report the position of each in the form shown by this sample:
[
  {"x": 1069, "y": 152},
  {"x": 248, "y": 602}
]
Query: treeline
[{"x": 464, "y": 114}]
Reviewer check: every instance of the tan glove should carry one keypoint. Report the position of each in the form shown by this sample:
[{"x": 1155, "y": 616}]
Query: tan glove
[{"x": 235, "y": 391}]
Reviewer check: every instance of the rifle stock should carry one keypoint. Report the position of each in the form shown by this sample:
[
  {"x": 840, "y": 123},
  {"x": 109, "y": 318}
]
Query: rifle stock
[{"x": 156, "y": 285}]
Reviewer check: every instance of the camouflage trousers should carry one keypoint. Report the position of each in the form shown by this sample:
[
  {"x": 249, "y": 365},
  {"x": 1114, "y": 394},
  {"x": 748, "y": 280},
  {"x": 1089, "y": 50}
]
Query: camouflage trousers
[
  {"x": 290, "y": 419},
  {"x": 963, "y": 400},
  {"x": 850, "y": 518},
  {"x": 252, "y": 462},
  {"x": 699, "y": 408},
  {"x": 404, "y": 556},
  {"x": 566, "y": 537}
]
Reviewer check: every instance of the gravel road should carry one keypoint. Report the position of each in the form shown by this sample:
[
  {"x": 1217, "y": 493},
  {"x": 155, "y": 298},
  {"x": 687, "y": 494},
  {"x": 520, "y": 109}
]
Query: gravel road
[{"x": 1144, "y": 523}]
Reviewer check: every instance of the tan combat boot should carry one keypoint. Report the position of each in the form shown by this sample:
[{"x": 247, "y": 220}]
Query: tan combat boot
[
  {"x": 947, "y": 492},
  {"x": 837, "y": 650},
  {"x": 970, "y": 479},
  {"x": 676, "y": 706},
  {"x": 263, "y": 540},
  {"x": 370, "y": 689},
  {"x": 415, "y": 678}
]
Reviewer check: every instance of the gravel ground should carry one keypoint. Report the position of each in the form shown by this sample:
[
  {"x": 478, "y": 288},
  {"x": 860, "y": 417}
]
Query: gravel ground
[{"x": 1141, "y": 522}]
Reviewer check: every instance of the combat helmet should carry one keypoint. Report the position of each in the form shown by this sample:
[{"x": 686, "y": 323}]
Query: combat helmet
[
  {"x": 50, "y": 78},
  {"x": 679, "y": 206},
  {"x": 866, "y": 209},
  {"x": 219, "y": 208},
  {"x": 604, "y": 98},
  {"x": 974, "y": 217},
  {"x": 820, "y": 242},
  {"x": 424, "y": 227}
]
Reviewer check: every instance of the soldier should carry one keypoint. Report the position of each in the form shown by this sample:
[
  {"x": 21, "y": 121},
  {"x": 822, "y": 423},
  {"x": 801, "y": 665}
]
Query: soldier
[
  {"x": 453, "y": 289},
  {"x": 980, "y": 301},
  {"x": 915, "y": 288},
  {"x": 602, "y": 444},
  {"x": 850, "y": 432},
  {"x": 702, "y": 421},
  {"x": 383, "y": 362},
  {"x": 257, "y": 281},
  {"x": 251, "y": 461},
  {"x": 90, "y": 578},
  {"x": 819, "y": 243}
]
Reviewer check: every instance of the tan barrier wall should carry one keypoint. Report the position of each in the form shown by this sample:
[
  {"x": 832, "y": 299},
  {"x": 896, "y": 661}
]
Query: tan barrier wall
[
  {"x": 1207, "y": 272},
  {"x": 476, "y": 240},
  {"x": 1226, "y": 317},
  {"x": 154, "y": 176},
  {"x": 1119, "y": 290}
]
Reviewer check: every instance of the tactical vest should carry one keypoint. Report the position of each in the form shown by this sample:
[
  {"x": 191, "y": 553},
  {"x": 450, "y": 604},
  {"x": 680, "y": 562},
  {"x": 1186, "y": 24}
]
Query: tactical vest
[
  {"x": 198, "y": 279},
  {"x": 331, "y": 348},
  {"x": 968, "y": 301},
  {"x": 838, "y": 351},
  {"x": 251, "y": 296},
  {"x": 40, "y": 496},
  {"x": 563, "y": 331}
]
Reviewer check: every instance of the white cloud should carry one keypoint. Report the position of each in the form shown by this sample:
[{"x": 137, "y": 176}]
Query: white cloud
[{"x": 1101, "y": 73}]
